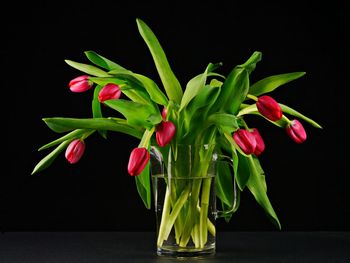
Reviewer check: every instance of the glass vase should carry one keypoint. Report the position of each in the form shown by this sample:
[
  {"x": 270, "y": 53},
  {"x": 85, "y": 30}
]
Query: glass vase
[{"x": 183, "y": 179}]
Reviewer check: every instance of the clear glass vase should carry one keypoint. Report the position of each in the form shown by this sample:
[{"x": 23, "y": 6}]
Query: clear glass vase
[{"x": 183, "y": 178}]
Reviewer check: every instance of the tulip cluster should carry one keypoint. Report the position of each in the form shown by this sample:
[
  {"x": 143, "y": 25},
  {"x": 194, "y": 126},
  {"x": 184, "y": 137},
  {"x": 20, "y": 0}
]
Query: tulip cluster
[{"x": 210, "y": 111}]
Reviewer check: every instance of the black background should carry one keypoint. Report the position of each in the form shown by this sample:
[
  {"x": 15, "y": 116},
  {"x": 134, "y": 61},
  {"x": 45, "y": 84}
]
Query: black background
[{"x": 307, "y": 184}]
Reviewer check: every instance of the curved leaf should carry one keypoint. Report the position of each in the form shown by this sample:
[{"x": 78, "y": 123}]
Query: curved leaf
[
  {"x": 115, "y": 124},
  {"x": 170, "y": 82},
  {"x": 89, "y": 69},
  {"x": 273, "y": 82},
  {"x": 297, "y": 114},
  {"x": 102, "y": 61},
  {"x": 70, "y": 136},
  {"x": 257, "y": 186},
  {"x": 48, "y": 159},
  {"x": 224, "y": 121},
  {"x": 250, "y": 64}
]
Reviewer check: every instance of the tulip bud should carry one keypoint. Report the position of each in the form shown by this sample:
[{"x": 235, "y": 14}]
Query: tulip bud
[
  {"x": 296, "y": 131},
  {"x": 80, "y": 84},
  {"x": 139, "y": 158},
  {"x": 109, "y": 92},
  {"x": 75, "y": 151},
  {"x": 269, "y": 108},
  {"x": 164, "y": 111},
  {"x": 260, "y": 144},
  {"x": 245, "y": 140},
  {"x": 165, "y": 132}
]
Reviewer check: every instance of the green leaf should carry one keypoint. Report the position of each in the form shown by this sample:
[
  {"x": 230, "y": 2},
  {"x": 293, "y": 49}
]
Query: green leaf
[
  {"x": 96, "y": 109},
  {"x": 110, "y": 124},
  {"x": 193, "y": 87},
  {"x": 233, "y": 91},
  {"x": 153, "y": 90},
  {"x": 215, "y": 83},
  {"x": 48, "y": 159},
  {"x": 136, "y": 113},
  {"x": 273, "y": 82},
  {"x": 170, "y": 82},
  {"x": 143, "y": 186},
  {"x": 257, "y": 186},
  {"x": 297, "y": 114},
  {"x": 139, "y": 81},
  {"x": 106, "y": 80},
  {"x": 224, "y": 121},
  {"x": 89, "y": 69},
  {"x": 243, "y": 172},
  {"x": 102, "y": 61},
  {"x": 70, "y": 136},
  {"x": 224, "y": 184},
  {"x": 250, "y": 64}
]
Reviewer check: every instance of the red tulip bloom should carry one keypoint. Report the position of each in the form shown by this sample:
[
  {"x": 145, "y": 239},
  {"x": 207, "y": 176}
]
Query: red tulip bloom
[
  {"x": 138, "y": 160},
  {"x": 245, "y": 140},
  {"x": 75, "y": 151},
  {"x": 109, "y": 92},
  {"x": 80, "y": 84},
  {"x": 164, "y": 111},
  {"x": 165, "y": 132},
  {"x": 260, "y": 144},
  {"x": 269, "y": 108},
  {"x": 296, "y": 131}
]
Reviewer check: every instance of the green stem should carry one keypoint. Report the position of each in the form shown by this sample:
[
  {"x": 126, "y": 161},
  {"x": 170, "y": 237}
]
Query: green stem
[
  {"x": 191, "y": 213},
  {"x": 165, "y": 214},
  {"x": 203, "y": 227},
  {"x": 175, "y": 211}
]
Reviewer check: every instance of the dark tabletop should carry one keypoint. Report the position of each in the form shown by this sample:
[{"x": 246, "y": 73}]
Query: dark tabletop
[{"x": 140, "y": 247}]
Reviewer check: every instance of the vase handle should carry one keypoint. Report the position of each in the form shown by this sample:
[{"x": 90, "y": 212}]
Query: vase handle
[{"x": 236, "y": 194}]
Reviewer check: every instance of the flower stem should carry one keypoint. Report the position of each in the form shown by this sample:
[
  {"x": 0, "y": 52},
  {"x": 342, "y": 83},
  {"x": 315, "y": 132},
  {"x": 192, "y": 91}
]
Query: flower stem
[
  {"x": 203, "y": 227},
  {"x": 165, "y": 214}
]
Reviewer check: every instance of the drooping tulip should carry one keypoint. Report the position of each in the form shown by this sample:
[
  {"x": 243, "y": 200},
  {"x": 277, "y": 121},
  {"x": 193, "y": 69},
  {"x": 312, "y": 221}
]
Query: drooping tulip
[
  {"x": 109, "y": 92},
  {"x": 260, "y": 144},
  {"x": 80, "y": 84},
  {"x": 138, "y": 160},
  {"x": 245, "y": 140},
  {"x": 269, "y": 108},
  {"x": 164, "y": 112},
  {"x": 75, "y": 151},
  {"x": 165, "y": 132},
  {"x": 296, "y": 131}
]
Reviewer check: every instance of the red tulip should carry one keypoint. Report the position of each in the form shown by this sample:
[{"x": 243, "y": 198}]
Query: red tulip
[
  {"x": 269, "y": 108},
  {"x": 260, "y": 144},
  {"x": 75, "y": 151},
  {"x": 164, "y": 111},
  {"x": 296, "y": 131},
  {"x": 80, "y": 84},
  {"x": 109, "y": 92},
  {"x": 139, "y": 158},
  {"x": 245, "y": 140},
  {"x": 165, "y": 132}
]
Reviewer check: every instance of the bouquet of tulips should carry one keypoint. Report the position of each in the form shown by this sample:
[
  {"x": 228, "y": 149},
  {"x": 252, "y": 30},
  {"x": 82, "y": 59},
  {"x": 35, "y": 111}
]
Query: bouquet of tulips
[{"x": 210, "y": 110}]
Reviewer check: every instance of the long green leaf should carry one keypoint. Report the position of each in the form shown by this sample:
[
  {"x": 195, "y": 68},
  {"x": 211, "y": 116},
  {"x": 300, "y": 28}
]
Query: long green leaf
[
  {"x": 273, "y": 82},
  {"x": 136, "y": 113},
  {"x": 106, "y": 80},
  {"x": 243, "y": 172},
  {"x": 115, "y": 124},
  {"x": 137, "y": 81},
  {"x": 70, "y": 136},
  {"x": 193, "y": 87},
  {"x": 102, "y": 61},
  {"x": 224, "y": 121},
  {"x": 89, "y": 69},
  {"x": 224, "y": 184},
  {"x": 250, "y": 64},
  {"x": 257, "y": 186},
  {"x": 297, "y": 114},
  {"x": 48, "y": 159},
  {"x": 170, "y": 82}
]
